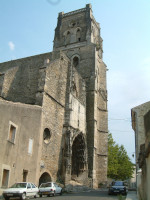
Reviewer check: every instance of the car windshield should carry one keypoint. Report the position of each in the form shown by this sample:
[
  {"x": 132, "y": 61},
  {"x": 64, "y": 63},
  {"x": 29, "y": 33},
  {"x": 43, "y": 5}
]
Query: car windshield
[
  {"x": 19, "y": 185},
  {"x": 45, "y": 185},
  {"x": 118, "y": 183}
]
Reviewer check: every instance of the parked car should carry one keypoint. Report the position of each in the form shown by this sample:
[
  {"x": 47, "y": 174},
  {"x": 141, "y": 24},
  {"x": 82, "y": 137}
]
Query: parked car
[
  {"x": 49, "y": 189},
  {"x": 21, "y": 190},
  {"x": 118, "y": 187}
]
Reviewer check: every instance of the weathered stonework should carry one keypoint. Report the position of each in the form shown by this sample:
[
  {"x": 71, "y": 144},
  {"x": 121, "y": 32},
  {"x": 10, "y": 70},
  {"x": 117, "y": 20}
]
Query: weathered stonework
[
  {"x": 68, "y": 87},
  {"x": 141, "y": 126}
]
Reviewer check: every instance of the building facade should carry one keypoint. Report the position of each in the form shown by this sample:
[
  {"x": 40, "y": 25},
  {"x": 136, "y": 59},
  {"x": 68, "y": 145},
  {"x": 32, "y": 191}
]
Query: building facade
[
  {"x": 55, "y": 105},
  {"x": 141, "y": 126}
]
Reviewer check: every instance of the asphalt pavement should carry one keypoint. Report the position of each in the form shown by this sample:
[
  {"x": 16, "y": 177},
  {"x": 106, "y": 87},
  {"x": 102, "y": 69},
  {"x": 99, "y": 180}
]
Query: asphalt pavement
[
  {"x": 132, "y": 195},
  {"x": 90, "y": 195}
]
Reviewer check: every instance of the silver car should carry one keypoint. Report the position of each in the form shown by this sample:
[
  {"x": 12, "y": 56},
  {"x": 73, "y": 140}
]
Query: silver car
[
  {"x": 49, "y": 189},
  {"x": 21, "y": 190}
]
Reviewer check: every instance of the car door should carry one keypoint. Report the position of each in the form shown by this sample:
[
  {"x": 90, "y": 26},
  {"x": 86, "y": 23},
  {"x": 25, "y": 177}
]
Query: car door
[
  {"x": 34, "y": 189},
  {"x": 29, "y": 190},
  {"x": 58, "y": 189}
]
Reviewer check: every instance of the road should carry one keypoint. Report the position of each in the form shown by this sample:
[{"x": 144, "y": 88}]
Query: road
[{"x": 92, "y": 195}]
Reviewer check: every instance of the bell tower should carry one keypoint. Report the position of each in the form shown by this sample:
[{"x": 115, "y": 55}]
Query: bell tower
[
  {"x": 78, "y": 35},
  {"x": 76, "y": 28}
]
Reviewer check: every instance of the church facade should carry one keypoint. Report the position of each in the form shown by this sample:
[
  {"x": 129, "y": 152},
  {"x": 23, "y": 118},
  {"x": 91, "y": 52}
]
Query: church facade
[{"x": 54, "y": 121}]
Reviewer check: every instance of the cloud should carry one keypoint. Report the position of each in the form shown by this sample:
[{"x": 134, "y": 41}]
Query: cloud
[{"x": 11, "y": 45}]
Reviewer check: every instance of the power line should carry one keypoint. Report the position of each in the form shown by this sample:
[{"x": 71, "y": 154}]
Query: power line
[
  {"x": 121, "y": 131},
  {"x": 127, "y": 119}
]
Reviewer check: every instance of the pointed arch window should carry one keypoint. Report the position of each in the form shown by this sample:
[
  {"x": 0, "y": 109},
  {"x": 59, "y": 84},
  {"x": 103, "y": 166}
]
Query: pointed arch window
[
  {"x": 68, "y": 37},
  {"x": 78, "y": 35},
  {"x": 46, "y": 135},
  {"x": 75, "y": 61}
]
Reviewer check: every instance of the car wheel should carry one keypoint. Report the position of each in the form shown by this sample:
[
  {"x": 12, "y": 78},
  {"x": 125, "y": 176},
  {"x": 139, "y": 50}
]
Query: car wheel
[
  {"x": 23, "y": 196},
  {"x": 54, "y": 194},
  {"x": 35, "y": 196},
  {"x": 60, "y": 192},
  {"x": 40, "y": 195},
  {"x": 6, "y": 198}
]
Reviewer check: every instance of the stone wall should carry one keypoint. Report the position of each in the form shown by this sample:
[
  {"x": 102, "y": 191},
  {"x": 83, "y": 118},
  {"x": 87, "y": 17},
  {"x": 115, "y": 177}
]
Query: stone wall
[
  {"x": 66, "y": 31},
  {"x": 77, "y": 117},
  {"x": 54, "y": 101},
  {"x": 86, "y": 69},
  {"x": 140, "y": 124},
  {"x": 20, "y": 81},
  {"x": 146, "y": 158},
  {"x": 77, "y": 27},
  {"x": 93, "y": 71},
  {"x": 148, "y": 176},
  {"x": 19, "y": 155}
]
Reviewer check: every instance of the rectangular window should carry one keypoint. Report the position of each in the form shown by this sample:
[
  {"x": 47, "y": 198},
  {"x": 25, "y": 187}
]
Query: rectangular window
[
  {"x": 29, "y": 186},
  {"x": 30, "y": 147},
  {"x": 25, "y": 174},
  {"x": 5, "y": 178},
  {"x": 12, "y": 132}
]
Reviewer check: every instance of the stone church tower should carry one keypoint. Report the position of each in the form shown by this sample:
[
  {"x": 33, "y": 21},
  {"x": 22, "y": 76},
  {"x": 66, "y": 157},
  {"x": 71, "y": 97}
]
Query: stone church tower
[
  {"x": 78, "y": 35},
  {"x": 54, "y": 122}
]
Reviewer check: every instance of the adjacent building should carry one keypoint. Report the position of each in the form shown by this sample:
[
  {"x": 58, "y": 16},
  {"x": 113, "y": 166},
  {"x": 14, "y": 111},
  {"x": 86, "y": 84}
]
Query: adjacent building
[{"x": 141, "y": 126}]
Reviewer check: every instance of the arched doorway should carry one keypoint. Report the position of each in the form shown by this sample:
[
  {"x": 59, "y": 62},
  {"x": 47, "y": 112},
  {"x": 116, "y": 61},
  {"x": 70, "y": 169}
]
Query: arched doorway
[
  {"x": 78, "y": 155},
  {"x": 45, "y": 177}
]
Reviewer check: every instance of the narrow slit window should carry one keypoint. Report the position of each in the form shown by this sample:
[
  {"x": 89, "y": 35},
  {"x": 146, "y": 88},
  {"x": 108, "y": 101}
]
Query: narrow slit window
[
  {"x": 78, "y": 35},
  {"x": 30, "y": 147},
  {"x": 12, "y": 133}
]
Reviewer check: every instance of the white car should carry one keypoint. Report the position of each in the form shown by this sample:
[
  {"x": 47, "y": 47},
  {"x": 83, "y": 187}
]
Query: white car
[
  {"x": 21, "y": 190},
  {"x": 49, "y": 189}
]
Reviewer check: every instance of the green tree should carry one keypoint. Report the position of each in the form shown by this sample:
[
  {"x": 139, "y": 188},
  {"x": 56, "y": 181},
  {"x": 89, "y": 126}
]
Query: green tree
[
  {"x": 120, "y": 166},
  {"x": 112, "y": 158}
]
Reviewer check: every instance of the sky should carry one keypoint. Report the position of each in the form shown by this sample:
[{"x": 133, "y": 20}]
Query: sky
[{"x": 27, "y": 29}]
